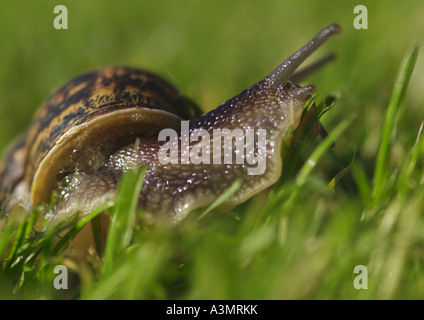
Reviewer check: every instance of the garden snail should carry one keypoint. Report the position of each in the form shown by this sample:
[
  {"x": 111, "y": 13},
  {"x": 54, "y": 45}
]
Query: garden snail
[{"x": 104, "y": 122}]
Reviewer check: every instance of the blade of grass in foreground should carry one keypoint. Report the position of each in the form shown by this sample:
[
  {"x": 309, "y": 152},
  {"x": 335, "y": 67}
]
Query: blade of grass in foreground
[
  {"x": 304, "y": 173},
  {"x": 292, "y": 157},
  {"x": 123, "y": 216},
  {"x": 78, "y": 227},
  {"x": 224, "y": 196},
  {"x": 401, "y": 84},
  {"x": 23, "y": 231},
  {"x": 306, "y": 170}
]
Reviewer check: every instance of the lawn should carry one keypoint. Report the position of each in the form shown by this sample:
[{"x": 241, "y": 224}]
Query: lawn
[{"x": 358, "y": 203}]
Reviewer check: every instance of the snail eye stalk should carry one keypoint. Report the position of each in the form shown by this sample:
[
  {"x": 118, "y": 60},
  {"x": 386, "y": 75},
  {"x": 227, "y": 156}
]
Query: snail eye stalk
[{"x": 285, "y": 70}]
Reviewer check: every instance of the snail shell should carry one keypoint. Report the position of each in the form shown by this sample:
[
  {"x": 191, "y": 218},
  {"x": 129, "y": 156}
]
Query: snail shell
[{"x": 104, "y": 122}]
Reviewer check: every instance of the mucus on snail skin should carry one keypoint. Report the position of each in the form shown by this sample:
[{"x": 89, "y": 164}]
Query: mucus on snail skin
[{"x": 222, "y": 150}]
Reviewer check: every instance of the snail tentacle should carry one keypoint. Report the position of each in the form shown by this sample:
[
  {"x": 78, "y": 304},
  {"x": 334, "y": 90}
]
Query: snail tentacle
[{"x": 284, "y": 71}]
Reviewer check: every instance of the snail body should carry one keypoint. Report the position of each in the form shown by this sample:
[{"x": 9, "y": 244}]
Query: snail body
[{"x": 107, "y": 121}]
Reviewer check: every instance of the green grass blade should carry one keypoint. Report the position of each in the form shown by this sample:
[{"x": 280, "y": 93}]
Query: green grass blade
[
  {"x": 343, "y": 172},
  {"x": 291, "y": 152},
  {"x": 362, "y": 182},
  {"x": 224, "y": 196},
  {"x": 123, "y": 216},
  {"x": 4, "y": 241},
  {"x": 401, "y": 84},
  {"x": 290, "y": 195},
  {"x": 81, "y": 223},
  {"x": 306, "y": 170},
  {"x": 24, "y": 229}
]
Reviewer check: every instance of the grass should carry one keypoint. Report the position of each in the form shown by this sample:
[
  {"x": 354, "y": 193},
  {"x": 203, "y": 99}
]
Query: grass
[
  {"x": 305, "y": 242},
  {"x": 357, "y": 203}
]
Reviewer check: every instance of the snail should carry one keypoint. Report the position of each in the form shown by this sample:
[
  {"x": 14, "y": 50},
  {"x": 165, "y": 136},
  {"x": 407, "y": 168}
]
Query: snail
[{"x": 105, "y": 122}]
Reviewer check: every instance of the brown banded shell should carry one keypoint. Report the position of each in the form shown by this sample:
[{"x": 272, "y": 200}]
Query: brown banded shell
[{"x": 91, "y": 115}]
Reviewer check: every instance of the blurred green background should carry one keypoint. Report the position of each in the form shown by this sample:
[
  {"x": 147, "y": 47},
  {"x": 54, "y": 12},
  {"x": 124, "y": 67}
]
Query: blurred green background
[{"x": 211, "y": 50}]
